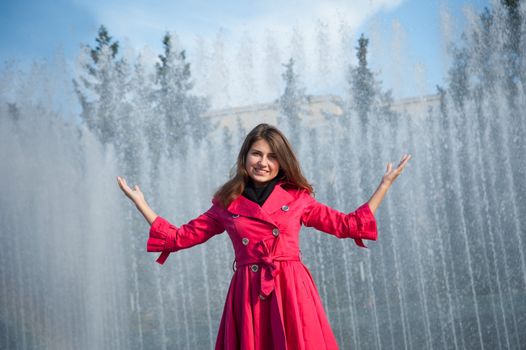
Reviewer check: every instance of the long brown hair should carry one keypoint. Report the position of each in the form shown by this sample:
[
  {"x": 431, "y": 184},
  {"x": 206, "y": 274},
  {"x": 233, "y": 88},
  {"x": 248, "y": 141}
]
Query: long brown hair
[{"x": 288, "y": 164}]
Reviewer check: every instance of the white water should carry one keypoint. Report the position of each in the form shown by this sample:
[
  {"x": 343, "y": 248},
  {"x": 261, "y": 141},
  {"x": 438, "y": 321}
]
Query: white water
[{"x": 448, "y": 270}]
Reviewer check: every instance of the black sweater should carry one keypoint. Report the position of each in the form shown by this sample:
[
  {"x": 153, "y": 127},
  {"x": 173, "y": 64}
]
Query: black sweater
[{"x": 260, "y": 194}]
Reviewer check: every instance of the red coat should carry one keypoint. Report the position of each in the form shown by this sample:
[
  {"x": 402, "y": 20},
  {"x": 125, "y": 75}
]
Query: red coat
[{"x": 272, "y": 301}]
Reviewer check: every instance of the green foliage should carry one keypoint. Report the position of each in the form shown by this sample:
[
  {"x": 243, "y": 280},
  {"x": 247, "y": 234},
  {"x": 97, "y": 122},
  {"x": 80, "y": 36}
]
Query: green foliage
[
  {"x": 109, "y": 90},
  {"x": 102, "y": 86},
  {"x": 173, "y": 68},
  {"x": 366, "y": 96},
  {"x": 291, "y": 102},
  {"x": 104, "y": 40},
  {"x": 182, "y": 111},
  {"x": 489, "y": 57},
  {"x": 459, "y": 78},
  {"x": 362, "y": 83}
]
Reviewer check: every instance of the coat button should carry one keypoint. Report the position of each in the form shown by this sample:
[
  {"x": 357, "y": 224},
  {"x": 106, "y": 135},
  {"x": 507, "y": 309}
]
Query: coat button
[
  {"x": 285, "y": 208},
  {"x": 254, "y": 268},
  {"x": 235, "y": 215},
  {"x": 275, "y": 232},
  {"x": 245, "y": 241},
  {"x": 261, "y": 297}
]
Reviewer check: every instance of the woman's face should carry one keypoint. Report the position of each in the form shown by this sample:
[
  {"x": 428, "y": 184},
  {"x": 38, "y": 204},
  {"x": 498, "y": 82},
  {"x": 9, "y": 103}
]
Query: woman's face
[{"x": 261, "y": 164}]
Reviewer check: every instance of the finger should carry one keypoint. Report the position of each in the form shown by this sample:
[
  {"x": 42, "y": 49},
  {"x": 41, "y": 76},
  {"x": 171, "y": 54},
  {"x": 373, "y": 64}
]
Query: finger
[
  {"x": 119, "y": 181},
  {"x": 404, "y": 160},
  {"x": 126, "y": 187},
  {"x": 122, "y": 182},
  {"x": 401, "y": 167}
]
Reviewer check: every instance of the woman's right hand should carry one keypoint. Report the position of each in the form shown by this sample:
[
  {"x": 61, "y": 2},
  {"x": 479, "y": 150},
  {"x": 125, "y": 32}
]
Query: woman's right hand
[{"x": 134, "y": 194}]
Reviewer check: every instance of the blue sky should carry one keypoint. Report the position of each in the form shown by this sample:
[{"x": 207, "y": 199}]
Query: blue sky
[{"x": 35, "y": 30}]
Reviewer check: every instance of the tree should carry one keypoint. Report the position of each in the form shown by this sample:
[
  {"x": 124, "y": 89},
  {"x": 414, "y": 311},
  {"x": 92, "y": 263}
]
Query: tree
[
  {"x": 459, "y": 78},
  {"x": 291, "y": 103},
  {"x": 512, "y": 47},
  {"x": 367, "y": 99},
  {"x": 102, "y": 86},
  {"x": 362, "y": 83},
  {"x": 182, "y": 111},
  {"x": 104, "y": 41}
]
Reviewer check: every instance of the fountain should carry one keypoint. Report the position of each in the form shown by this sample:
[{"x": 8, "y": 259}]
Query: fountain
[{"x": 448, "y": 270}]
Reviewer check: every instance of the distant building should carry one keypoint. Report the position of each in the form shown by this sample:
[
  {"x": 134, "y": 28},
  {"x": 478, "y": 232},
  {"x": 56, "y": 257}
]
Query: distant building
[{"x": 252, "y": 115}]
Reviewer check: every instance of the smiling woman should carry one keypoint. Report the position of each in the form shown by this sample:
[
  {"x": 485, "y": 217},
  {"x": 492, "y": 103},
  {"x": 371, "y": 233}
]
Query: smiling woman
[{"x": 272, "y": 301}]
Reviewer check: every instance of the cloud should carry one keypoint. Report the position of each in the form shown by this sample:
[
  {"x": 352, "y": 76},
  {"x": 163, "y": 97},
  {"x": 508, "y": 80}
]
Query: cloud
[{"x": 145, "y": 22}]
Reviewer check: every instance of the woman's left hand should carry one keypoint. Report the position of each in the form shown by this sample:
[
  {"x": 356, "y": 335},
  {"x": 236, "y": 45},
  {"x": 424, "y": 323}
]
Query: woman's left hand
[{"x": 391, "y": 174}]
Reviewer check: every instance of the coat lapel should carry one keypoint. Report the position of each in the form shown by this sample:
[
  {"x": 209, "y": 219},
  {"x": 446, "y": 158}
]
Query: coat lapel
[
  {"x": 277, "y": 199},
  {"x": 244, "y": 206}
]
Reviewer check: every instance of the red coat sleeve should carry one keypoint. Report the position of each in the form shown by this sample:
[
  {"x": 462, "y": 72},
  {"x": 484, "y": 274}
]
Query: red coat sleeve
[
  {"x": 166, "y": 238},
  {"x": 359, "y": 224}
]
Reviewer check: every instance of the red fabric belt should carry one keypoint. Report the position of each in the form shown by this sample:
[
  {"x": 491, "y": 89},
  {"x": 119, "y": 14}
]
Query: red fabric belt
[{"x": 269, "y": 269}]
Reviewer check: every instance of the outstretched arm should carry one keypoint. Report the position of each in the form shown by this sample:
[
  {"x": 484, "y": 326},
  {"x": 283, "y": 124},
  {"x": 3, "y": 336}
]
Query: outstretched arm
[
  {"x": 387, "y": 180},
  {"x": 137, "y": 197},
  {"x": 165, "y": 237}
]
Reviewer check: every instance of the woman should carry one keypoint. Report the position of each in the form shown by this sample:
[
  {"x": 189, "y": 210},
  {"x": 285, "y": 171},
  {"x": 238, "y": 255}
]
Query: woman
[{"x": 272, "y": 301}]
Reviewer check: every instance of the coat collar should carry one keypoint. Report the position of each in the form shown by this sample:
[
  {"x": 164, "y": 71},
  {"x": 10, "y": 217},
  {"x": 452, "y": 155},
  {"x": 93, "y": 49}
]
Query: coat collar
[{"x": 277, "y": 199}]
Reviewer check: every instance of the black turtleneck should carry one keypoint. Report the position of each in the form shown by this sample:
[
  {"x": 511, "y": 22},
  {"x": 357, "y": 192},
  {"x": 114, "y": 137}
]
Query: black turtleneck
[{"x": 260, "y": 194}]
